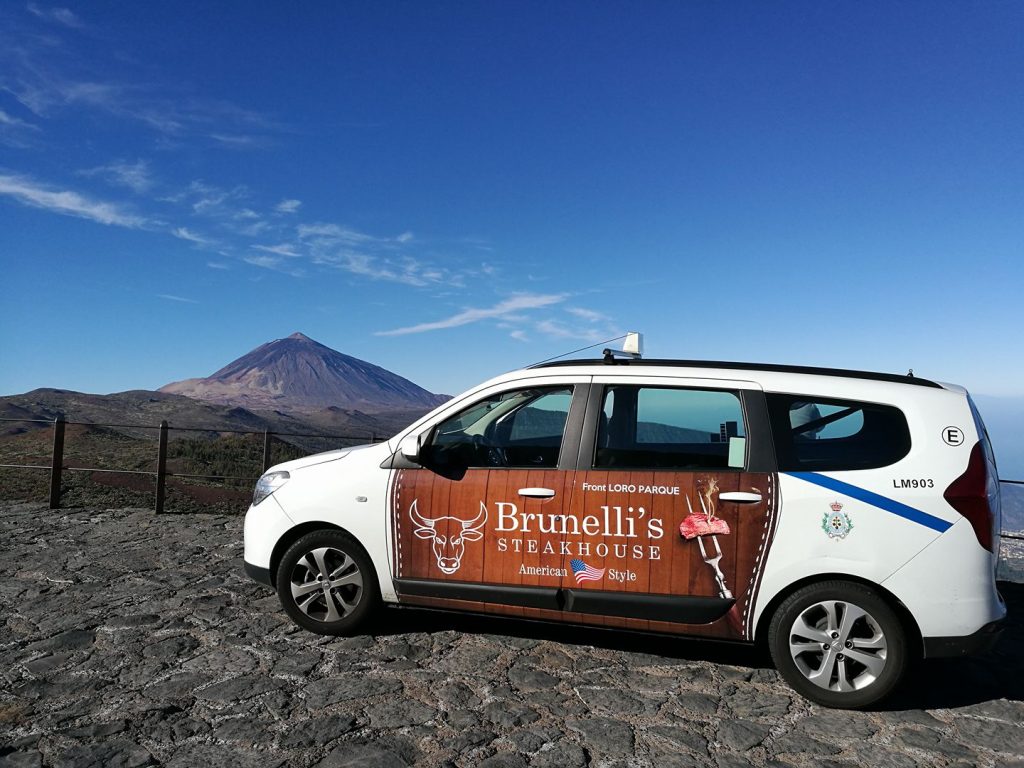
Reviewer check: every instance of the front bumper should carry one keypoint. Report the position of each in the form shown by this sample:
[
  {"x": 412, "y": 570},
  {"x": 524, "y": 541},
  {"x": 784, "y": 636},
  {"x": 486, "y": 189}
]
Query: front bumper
[
  {"x": 981, "y": 641},
  {"x": 265, "y": 524},
  {"x": 256, "y": 573}
]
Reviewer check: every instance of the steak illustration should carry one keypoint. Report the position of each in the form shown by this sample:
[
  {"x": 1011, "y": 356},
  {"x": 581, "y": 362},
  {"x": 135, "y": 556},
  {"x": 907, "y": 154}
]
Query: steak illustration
[{"x": 698, "y": 524}]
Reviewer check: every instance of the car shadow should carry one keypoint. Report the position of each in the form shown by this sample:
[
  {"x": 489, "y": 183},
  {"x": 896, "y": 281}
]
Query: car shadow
[
  {"x": 396, "y": 621},
  {"x": 961, "y": 682},
  {"x": 931, "y": 684}
]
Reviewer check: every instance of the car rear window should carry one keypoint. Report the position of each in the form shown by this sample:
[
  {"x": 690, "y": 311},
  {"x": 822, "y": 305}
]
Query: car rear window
[{"x": 815, "y": 434}]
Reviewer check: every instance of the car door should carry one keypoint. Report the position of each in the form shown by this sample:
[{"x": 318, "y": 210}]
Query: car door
[
  {"x": 674, "y": 506},
  {"x": 476, "y": 523}
]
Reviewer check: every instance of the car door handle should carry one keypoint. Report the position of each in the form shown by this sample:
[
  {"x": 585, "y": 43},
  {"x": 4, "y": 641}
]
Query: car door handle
[
  {"x": 537, "y": 493},
  {"x": 740, "y": 497}
]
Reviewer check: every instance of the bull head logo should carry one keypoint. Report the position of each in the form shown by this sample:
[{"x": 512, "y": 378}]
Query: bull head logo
[{"x": 448, "y": 549}]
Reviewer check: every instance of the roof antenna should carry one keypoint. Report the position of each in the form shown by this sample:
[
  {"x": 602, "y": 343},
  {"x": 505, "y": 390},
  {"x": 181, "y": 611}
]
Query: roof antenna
[
  {"x": 581, "y": 349},
  {"x": 910, "y": 373},
  {"x": 632, "y": 349}
]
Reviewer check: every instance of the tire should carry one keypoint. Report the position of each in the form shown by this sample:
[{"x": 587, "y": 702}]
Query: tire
[
  {"x": 348, "y": 600},
  {"x": 839, "y": 644}
]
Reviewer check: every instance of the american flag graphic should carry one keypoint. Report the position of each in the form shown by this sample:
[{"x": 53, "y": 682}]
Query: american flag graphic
[{"x": 584, "y": 572}]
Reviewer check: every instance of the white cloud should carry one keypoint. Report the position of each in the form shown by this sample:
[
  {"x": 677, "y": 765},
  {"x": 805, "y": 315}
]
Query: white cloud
[
  {"x": 255, "y": 229},
  {"x": 217, "y": 265},
  {"x": 267, "y": 262},
  {"x": 135, "y": 175},
  {"x": 180, "y": 299},
  {"x": 60, "y": 15},
  {"x": 288, "y": 206},
  {"x": 516, "y": 303},
  {"x": 44, "y": 78},
  {"x": 211, "y": 200},
  {"x": 185, "y": 234},
  {"x": 31, "y": 193},
  {"x": 15, "y": 132},
  {"x": 333, "y": 233},
  {"x": 556, "y": 330},
  {"x": 407, "y": 270},
  {"x": 284, "y": 249},
  {"x": 11, "y": 121},
  {"x": 586, "y": 314},
  {"x": 239, "y": 141},
  {"x": 519, "y": 335},
  {"x": 275, "y": 263},
  {"x": 377, "y": 258},
  {"x": 42, "y": 92}
]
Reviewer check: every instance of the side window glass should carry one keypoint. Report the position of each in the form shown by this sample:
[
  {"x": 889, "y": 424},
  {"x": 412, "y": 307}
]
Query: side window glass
[
  {"x": 542, "y": 421},
  {"x": 669, "y": 428},
  {"x": 818, "y": 434},
  {"x": 821, "y": 421},
  {"x": 521, "y": 428}
]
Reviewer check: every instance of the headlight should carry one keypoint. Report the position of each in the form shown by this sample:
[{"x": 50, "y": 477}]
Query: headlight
[{"x": 267, "y": 484}]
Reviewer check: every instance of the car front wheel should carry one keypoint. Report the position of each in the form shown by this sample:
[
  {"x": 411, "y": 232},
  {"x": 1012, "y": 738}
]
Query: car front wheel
[
  {"x": 839, "y": 644},
  {"x": 327, "y": 584}
]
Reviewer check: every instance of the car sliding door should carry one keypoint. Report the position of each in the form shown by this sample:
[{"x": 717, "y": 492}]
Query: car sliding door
[{"x": 673, "y": 508}]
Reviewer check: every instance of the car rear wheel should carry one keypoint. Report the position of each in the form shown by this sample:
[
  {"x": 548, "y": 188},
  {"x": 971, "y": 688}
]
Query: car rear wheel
[
  {"x": 839, "y": 644},
  {"x": 327, "y": 584}
]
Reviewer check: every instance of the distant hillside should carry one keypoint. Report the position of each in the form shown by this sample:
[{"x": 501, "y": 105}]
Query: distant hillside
[
  {"x": 1004, "y": 418},
  {"x": 299, "y": 374},
  {"x": 135, "y": 407},
  {"x": 138, "y": 408},
  {"x": 1013, "y": 507}
]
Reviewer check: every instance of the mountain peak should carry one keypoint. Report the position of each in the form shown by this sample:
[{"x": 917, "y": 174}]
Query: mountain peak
[{"x": 305, "y": 376}]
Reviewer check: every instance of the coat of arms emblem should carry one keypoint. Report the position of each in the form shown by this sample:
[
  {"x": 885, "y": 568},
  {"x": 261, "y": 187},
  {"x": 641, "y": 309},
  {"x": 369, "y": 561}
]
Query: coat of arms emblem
[{"x": 836, "y": 524}]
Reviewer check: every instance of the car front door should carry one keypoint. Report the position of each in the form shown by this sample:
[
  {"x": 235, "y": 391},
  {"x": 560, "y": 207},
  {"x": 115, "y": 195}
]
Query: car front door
[{"x": 476, "y": 524}]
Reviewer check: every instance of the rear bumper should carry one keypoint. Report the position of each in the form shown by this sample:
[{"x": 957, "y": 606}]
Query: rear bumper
[
  {"x": 256, "y": 573},
  {"x": 966, "y": 645}
]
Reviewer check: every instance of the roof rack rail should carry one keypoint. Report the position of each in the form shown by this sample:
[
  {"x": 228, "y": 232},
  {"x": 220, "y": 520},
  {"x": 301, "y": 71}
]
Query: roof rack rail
[{"x": 806, "y": 369}]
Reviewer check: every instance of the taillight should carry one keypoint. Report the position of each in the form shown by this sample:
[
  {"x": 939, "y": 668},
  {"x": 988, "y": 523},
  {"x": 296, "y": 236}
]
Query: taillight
[{"x": 968, "y": 495}]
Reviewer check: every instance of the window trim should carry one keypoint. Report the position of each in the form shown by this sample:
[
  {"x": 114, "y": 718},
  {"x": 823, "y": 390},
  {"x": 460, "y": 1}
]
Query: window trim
[
  {"x": 760, "y": 450},
  {"x": 786, "y": 434},
  {"x": 570, "y": 435}
]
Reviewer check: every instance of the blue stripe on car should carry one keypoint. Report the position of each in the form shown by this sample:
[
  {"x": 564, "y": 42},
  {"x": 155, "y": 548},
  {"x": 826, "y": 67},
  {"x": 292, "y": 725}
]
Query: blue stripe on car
[{"x": 875, "y": 500}]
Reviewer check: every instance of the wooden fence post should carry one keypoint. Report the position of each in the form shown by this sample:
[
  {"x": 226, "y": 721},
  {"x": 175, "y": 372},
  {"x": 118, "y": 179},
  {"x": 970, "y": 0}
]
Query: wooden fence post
[
  {"x": 57, "y": 464},
  {"x": 161, "y": 468},
  {"x": 266, "y": 449}
]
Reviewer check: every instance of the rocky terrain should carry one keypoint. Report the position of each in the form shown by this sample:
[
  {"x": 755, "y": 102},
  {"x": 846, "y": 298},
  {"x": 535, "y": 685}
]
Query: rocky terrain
[{"x": 133, "y": 640}]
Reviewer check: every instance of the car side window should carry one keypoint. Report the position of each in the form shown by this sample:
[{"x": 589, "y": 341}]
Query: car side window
[
  {"x": 670, "y": 428},
  {"x": 816, "y": 434},
  {"x": 519, "y": 428}
]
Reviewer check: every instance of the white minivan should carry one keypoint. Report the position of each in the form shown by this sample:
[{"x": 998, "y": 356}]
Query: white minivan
[{"x": 849, "y": 520}]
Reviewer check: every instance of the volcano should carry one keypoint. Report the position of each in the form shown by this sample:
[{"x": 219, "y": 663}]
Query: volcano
[{"x": 300, "y": 374}]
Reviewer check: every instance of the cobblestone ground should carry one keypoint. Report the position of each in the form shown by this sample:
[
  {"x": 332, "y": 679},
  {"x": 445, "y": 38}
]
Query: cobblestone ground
[{"x": 131, "y": 640}]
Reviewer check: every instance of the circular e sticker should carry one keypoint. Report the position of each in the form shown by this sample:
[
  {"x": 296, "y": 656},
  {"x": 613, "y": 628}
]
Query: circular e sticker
[{"x": 953, "y": 435}]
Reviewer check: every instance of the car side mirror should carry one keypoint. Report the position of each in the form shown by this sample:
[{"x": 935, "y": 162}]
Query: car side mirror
[{"x": 410, "y": 447}]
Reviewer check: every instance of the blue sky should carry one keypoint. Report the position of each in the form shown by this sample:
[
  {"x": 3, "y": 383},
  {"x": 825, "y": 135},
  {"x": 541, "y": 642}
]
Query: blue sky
[{"x": 455, "y": 190}]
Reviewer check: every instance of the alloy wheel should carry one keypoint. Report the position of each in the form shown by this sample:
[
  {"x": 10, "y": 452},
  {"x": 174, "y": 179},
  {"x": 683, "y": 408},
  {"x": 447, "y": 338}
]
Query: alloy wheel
[
  {"x": 838, "y": 646},
  {"x": 326, "y": 584}
]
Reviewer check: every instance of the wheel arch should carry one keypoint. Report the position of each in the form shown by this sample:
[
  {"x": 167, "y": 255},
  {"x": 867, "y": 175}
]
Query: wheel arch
[
  {"x": 902, "y": 612},
  {"x": 297, "y": 532}
]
